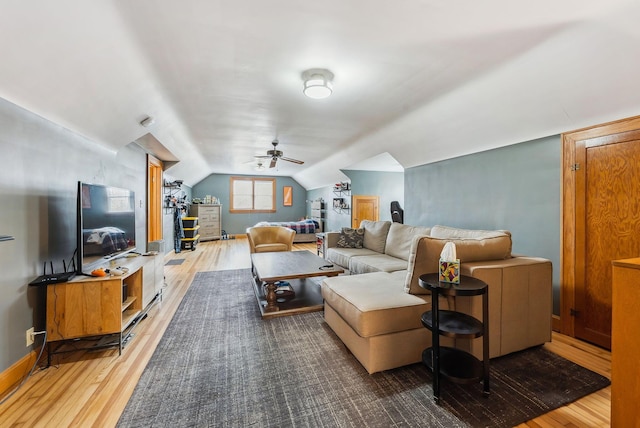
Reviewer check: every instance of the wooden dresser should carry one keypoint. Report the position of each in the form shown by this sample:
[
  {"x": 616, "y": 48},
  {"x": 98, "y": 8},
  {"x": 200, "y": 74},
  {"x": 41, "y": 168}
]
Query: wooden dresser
[
  {"x": 209, "y": 219},
  {"x": 625, "y": 343}
]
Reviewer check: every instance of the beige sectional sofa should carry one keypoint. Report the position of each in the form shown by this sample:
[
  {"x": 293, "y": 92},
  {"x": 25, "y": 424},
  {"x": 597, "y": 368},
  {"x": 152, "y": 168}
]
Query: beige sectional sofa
[{"x": 376, "y": 310}]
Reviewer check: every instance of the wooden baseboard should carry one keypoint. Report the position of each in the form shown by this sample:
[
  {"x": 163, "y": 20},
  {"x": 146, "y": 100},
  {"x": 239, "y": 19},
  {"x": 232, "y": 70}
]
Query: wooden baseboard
[
  {"x": 11, "y": 377},
  {"x": 555, "y": 323}
]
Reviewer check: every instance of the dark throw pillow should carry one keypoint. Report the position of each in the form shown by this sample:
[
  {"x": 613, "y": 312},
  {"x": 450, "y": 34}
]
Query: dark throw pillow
[{"x": 351, "y": 238}]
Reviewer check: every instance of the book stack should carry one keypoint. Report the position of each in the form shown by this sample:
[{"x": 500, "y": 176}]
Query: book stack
[{"x": 284, "y": 291}]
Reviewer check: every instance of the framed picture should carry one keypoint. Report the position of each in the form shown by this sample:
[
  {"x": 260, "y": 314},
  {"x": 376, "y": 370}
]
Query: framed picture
[{"x": 287, "y": 196}]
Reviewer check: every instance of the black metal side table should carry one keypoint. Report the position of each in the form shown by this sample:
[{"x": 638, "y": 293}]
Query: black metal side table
[{"x": 455, "y": 364}]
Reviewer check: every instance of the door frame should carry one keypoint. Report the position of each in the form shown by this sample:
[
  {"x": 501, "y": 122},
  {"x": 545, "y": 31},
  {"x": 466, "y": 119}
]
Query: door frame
[
  {"x": 155, "y": 177},
  {"x": 573, "y": 246}
]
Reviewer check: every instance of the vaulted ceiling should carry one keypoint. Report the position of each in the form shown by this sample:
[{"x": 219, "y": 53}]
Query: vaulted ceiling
[{"x": 415, "y": 80}]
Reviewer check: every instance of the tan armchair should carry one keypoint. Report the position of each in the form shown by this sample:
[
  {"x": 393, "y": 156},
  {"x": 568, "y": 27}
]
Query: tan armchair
[{"x": 263, "y": 239}]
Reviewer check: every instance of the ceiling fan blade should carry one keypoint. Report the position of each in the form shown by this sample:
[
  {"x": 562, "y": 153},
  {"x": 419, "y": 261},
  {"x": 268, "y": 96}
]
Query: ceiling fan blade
[
  {"x": 273, "y": 162},
  {"x": 299, "y": 162},
  {"x": 263, "y": 157}
]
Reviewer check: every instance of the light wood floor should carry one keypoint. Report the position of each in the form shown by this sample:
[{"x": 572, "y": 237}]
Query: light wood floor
[{"x": 92, "y": 389}]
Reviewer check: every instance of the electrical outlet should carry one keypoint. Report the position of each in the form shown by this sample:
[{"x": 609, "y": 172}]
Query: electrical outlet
[{"x": 29, "y": 336}]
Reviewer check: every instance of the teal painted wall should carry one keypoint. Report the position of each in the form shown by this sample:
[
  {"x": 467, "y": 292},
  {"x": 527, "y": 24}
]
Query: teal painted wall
[
  {"x": 515, "y": 188},
  {"x": 389, "y": 186},
  {"x": 218, "y": 185}
]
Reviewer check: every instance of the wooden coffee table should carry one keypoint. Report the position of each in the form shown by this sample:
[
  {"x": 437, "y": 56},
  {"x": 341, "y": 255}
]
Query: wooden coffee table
[{"x": 294, "y": 267}]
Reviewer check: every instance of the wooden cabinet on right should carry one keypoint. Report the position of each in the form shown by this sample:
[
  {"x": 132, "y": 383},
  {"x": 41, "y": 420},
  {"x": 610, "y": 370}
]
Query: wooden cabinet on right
[
  {"x": 625, "y": 343},
  {"x": 209, "y": 219}
]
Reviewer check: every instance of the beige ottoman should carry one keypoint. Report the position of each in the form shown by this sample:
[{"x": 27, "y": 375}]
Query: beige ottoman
[{"x": 376, "y": 319}]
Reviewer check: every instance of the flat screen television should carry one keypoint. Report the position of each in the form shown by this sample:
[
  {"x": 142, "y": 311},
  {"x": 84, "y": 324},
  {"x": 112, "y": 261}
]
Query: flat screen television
[{"x": 106, "y": 225}]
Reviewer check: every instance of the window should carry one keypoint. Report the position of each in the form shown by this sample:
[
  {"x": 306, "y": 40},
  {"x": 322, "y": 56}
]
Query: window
[
  {"x": 119, "y": 200},
  {"x": 253, "y": 195}
]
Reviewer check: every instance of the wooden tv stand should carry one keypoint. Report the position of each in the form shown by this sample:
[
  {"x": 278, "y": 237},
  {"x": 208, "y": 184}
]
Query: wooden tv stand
[{"x": 88, "y": 307}]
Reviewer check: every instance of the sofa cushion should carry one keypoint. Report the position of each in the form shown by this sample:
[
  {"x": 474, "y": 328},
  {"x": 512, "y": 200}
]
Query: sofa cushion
[
  {"x": 375, "y": 234},
  {"x": 268, "y": 248},
  {"x": 374, "y": 304},
  {"x": 475, "y": 250},
  {"x": 439, "y": 231},
  {"x": 425, "y": 255},
  {"x": 399, "y": 239},
  {"x": 398, "y": 275},
  {"x": 341, "y": 256},
  {"x": 498, "y": 241},
  {"x": 376, "y": 263},
  {"x": 350, "y": 238}
]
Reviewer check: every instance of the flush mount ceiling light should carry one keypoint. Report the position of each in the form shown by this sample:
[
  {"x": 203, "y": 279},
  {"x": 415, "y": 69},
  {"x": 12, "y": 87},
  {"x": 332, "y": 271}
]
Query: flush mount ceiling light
[
  {"x": 259, "y": 167},
  {"x": 317, "y": 83}
]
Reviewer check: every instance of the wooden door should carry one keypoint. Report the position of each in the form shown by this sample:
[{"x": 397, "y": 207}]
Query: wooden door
[
  {"x": 601, "y": 222},
  {"x": 154, "y": 199},
  {"x": 364, "y": 208}
]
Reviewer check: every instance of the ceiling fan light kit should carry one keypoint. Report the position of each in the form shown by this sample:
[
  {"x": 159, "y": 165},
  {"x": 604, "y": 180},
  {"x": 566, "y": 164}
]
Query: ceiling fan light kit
[{"x": 318, "y": 83}]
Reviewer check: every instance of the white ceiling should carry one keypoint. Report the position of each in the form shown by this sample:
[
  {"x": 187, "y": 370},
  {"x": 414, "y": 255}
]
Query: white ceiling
[{"x": 415, "y": 80}]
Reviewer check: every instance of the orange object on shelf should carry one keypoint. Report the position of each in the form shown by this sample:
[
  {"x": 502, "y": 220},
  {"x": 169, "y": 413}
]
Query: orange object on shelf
[{"x": 98, "y": 272}]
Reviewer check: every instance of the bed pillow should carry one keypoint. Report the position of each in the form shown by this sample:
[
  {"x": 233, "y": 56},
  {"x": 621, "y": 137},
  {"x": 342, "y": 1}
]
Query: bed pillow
[{"x": 350, "y": 238}]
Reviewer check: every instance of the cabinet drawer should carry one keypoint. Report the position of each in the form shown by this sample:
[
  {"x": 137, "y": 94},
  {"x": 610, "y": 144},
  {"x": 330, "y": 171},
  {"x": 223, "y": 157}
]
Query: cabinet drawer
[
  {"x": 208, "y": 230},
  {"x": 202, "y": 210}
]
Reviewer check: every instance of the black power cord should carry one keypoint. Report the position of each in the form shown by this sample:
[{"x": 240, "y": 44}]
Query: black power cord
[{"x": 35, "y": 363}]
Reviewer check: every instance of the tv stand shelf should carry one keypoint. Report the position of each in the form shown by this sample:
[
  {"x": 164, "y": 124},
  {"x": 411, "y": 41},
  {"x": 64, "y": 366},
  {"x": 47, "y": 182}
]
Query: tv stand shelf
[
  {"x": 88, "y": 308},
  {"x": 129, "y": 314},
  {"x": 128, "y": 303}
]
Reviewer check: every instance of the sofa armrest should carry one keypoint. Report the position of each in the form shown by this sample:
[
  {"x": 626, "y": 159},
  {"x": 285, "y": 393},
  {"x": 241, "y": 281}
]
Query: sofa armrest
[
  {"x": 520, "y": 302},
  {"x": 331, "y": 239},
  {"x": 420, "y": 262},
  {"x": 520, "y": 297}
]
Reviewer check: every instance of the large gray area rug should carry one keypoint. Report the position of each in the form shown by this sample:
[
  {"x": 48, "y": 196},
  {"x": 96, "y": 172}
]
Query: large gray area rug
[{"x": 219, "y": 364}]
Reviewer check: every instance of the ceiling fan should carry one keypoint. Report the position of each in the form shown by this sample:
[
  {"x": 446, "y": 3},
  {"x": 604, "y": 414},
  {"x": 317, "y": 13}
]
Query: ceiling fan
[{"x": 276, "y": 154}]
